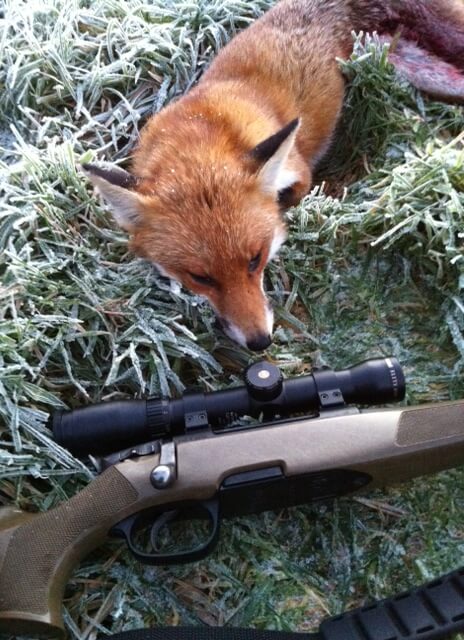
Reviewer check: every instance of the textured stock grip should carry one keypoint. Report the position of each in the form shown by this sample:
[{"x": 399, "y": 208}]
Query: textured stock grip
[
  {"x": 38, "y": 553},
  {"x": 430, "y": 423}
]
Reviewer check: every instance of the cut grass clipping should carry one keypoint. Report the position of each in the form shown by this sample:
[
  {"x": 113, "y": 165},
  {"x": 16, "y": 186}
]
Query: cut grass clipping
[{"x": 373, "y": 266}]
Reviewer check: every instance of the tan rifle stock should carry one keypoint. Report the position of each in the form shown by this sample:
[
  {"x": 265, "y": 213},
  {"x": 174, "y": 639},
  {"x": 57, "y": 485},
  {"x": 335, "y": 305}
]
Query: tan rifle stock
[{"x": 39, "y": 551}]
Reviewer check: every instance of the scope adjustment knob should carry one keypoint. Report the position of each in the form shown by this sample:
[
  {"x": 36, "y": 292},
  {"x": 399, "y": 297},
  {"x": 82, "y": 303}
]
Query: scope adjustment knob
[{"x": 263, "y": 381}]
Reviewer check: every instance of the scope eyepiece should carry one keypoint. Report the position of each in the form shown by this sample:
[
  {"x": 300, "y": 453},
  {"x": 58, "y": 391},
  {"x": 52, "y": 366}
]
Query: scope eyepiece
[{"x": 112, "y": 426}]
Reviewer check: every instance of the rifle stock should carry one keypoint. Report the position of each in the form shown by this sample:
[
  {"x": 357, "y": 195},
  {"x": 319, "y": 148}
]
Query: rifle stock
[{"x": 39, "y": 551}]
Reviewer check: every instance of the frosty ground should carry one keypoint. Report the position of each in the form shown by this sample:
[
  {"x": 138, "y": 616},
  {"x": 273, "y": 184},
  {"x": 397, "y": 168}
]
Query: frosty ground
[{"x": 373, "y": 266}]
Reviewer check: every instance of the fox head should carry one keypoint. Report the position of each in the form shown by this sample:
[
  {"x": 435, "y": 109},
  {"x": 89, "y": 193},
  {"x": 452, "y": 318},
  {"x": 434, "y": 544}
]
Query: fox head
[{"x": 205, "y": 210}]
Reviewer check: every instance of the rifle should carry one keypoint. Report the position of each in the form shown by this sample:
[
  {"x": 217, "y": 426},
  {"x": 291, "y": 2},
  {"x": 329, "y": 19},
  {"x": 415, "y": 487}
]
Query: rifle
[{"x": 188, "y": 458}]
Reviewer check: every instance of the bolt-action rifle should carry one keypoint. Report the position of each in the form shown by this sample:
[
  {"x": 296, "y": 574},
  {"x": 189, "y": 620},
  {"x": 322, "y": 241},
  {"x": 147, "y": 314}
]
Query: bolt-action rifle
[{"x": 164, "y": 460}]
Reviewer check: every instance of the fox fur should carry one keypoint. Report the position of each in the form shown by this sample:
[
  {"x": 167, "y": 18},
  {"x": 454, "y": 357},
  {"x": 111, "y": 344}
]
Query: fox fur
[{"x": 214, "y": 170}]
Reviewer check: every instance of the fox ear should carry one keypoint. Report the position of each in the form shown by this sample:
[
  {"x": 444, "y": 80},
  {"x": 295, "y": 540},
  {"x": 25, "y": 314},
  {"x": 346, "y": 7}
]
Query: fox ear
[
  {"x": 116, "y": 186},
  {"x": 271, "y": 155}
]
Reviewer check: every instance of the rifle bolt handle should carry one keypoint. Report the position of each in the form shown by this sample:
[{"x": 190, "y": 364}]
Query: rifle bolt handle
[
  {"x": 162, "y": 476},
  {"x": 165, "y": 473}
]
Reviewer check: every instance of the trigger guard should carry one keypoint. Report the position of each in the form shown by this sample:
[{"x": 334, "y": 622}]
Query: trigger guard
[{"x": 129, "y": 526}]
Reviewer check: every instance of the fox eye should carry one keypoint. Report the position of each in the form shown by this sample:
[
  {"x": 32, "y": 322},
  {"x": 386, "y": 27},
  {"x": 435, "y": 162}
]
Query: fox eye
[
  {"x": 206, "y": 281},
  {"x": 254, "y": 262}
]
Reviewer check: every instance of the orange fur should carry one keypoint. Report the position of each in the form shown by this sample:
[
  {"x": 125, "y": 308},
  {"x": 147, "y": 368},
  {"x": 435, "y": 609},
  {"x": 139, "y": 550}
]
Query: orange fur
[{"x": 202, "y": 204}]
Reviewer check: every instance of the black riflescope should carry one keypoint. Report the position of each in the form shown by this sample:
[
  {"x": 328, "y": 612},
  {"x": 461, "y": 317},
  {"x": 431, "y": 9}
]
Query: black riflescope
[{"x": 111, "y": 426}]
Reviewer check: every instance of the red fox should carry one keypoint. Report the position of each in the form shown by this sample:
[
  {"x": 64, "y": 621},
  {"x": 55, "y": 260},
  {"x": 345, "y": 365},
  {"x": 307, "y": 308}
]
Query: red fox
[{"x": 214, "y": 170}]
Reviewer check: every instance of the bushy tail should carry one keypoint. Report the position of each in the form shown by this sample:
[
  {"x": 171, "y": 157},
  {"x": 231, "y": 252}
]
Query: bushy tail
[
  {"x": 427, "y": 39},
  {"x": 435, "y": 25}
]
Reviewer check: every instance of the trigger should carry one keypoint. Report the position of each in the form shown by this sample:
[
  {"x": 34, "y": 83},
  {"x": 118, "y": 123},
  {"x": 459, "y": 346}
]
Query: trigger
[{"x": 123, "y": 528}]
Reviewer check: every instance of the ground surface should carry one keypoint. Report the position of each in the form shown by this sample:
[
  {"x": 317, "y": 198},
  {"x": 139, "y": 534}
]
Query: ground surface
[{"x": 373, "y": 266}]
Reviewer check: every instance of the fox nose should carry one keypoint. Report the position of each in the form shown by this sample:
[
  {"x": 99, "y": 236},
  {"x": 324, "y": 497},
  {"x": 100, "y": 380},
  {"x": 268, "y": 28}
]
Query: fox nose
[{"x": 259, "y": 342}]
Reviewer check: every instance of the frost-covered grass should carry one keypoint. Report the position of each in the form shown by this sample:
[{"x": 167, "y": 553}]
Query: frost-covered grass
[{"x": 373, "y": 265}]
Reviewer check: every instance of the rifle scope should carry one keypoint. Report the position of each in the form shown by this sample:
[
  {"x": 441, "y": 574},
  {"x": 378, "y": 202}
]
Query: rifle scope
[{"x": 110, "y": 426}]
